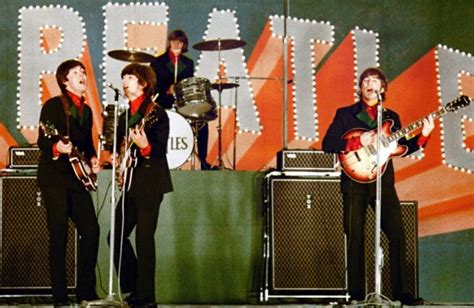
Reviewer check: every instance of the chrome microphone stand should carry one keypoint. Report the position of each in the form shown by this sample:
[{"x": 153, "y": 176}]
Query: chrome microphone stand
[
  {"x": 110, "y": 300},
  {"x": 377, "y": 297}
]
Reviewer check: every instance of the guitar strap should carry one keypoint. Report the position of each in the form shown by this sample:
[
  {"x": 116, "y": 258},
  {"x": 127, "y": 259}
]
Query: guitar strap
[
  {"x": 67, "y": 110},
  {"x": 137, "y": 116},
  {"x": 364, "y": 117}
]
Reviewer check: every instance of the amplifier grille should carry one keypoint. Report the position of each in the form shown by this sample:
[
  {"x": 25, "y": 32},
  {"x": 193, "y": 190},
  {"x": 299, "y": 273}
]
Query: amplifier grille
[
  {"x": 24, "y": 237},
  {"x": 24, "y": 157},
  {"x": 308, "y": 240}
]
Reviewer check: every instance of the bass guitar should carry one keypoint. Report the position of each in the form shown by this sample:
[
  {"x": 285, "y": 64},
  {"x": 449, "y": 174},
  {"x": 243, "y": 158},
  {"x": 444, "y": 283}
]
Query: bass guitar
[
  {"x": 128, "y": 153},
  {"x": 361, "y": 165},
  {"x": 81, "y": 166}
]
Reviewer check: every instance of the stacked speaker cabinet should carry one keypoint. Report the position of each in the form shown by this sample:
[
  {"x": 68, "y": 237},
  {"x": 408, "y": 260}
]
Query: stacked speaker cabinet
[
  {"x": 24, "y": 239},
  {"x": 304, "y": 242}
]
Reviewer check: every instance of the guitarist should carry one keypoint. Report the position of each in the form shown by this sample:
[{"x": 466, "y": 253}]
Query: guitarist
[
  {"x": 357, "y": 196},
  {"x": 63, "y": 193},
  {"x": 139, "y": 206}
]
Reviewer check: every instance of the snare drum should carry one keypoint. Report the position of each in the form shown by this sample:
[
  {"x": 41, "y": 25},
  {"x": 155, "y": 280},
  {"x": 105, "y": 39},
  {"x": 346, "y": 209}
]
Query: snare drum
[
  {"x": 180, "y": 141},
  {"x": 193, "y": 97}
]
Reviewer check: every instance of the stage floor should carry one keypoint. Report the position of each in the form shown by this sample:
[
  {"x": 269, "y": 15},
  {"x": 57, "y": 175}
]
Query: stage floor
[{"x": 46, "y": 301}]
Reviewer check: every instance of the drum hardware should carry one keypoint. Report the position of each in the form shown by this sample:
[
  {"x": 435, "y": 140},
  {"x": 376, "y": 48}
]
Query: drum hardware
[
  {"x": 219, "y": 45},
  {"x": 193, "y": 98},
  {"x": 196, "y": 126},
  {"x": 131, "y": 56}
]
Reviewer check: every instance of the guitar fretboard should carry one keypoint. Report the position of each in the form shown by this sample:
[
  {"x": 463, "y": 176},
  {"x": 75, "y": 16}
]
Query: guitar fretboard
[{"x": 414, "y": 126}]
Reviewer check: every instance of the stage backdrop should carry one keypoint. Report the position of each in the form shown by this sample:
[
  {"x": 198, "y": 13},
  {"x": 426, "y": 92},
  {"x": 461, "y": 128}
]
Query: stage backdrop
[{"x": 423, "y": 46}]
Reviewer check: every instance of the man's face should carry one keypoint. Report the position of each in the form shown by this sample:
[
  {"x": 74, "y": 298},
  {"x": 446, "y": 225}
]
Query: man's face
[
  {"x": 176, "y": 46},
  {"x": 76, "y": 80},
  {"x": 370, "y": 86},
  {"x": 132, "y": 86}
]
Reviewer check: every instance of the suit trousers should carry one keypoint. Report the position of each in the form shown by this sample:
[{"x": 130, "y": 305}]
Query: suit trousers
[
  {"x": 137, "y": 272},
  {"x": 355, "y": 206},
  {"x": 75, "y": 203}
]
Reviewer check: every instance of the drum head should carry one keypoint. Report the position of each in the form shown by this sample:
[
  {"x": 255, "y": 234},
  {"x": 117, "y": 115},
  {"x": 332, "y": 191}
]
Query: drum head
[{"x": 180, "y": 141}]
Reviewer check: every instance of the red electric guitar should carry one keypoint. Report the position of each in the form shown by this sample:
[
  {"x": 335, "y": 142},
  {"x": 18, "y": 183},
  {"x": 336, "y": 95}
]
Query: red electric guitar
[{"x": 361, "y": 165}]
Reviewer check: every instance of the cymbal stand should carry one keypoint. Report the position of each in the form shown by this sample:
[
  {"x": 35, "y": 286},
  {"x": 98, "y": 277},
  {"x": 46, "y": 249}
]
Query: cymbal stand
[
  {"x": 220, "y": 162},
  {"x": 195, "y": 126},
  {"x": 234, "y": 154}
]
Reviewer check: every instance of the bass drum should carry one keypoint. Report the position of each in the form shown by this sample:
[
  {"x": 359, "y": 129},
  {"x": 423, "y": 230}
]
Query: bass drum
[{"x": 180, "y": 141}]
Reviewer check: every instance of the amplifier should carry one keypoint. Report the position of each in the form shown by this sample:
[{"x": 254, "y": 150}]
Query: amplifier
[
  {"x": 24, "y": 157},
  {"x": 305, "y": 160}
]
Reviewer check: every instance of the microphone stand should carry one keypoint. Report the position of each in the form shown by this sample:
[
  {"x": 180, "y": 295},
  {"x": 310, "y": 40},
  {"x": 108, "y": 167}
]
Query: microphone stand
[
  {"x": 285, "y": 74},
  {"x": 377, "y": 296},
  {"x": 110, "y": 298}
]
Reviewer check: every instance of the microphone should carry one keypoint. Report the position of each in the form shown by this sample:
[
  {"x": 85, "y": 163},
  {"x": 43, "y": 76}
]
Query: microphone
[
  {"x": 379, "y": 95},
  {"x": 116, "y": 90}
]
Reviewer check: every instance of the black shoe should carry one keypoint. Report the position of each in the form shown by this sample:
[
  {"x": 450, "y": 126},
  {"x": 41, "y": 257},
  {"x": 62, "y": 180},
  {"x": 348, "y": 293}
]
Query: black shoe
[
  {"x": 410, "y": 300},
  {"x": 90, "y": 298},
  {"x": 206, "y": 166},
  {"x": 136, "y": 303},
  {"x": 131, "y": 299}
]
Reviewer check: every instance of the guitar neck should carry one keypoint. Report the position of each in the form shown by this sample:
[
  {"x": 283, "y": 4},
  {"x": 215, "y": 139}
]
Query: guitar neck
[{"x": 414, "y": 126}]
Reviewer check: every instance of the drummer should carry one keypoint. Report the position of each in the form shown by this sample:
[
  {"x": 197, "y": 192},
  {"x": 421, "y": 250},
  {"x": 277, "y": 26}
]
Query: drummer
[{"x": 170, "y": 68}]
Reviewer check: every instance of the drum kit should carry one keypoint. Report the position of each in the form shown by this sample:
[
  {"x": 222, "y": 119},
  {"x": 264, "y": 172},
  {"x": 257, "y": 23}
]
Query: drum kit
[{"x": 194, "y": 104}]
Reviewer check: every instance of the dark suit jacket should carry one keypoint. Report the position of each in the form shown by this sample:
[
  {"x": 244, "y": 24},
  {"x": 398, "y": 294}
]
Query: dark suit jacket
[
  {"x": 151, "y": 175},
  {"x": 59, "y": 171},
  {"x": 345, "y": 120},
  {"x": 164, "y": 71}
]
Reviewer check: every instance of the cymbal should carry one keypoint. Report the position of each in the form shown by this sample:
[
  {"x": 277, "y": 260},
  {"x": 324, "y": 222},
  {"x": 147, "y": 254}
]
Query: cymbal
[
  {"x": 224, "y": 85},
  {"x": 213, "y": 45},
  {"x": 131, "y": 56}
]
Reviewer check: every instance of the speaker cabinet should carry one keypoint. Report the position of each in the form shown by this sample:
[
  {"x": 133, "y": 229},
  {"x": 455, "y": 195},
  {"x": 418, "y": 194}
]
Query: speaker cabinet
[
  {"x": 410, "y": 224},
  {"x": 307, "y": 245},
  {"x": 24, "y": 238}
]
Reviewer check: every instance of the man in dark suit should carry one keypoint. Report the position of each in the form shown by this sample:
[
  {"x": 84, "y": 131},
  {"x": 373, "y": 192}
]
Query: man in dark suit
[
  {"x": 358, "y": 195},
  {"x": 144, "y": 186},
  {"x": 170, "y": 68},
  {"x": 64, "y": 194}
]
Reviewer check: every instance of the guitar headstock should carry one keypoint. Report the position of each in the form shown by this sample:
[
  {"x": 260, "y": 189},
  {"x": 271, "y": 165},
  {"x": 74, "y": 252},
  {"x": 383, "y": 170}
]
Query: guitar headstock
[
  {"x": 48, "y": 129},
  {"x": 460, "y": 102}
]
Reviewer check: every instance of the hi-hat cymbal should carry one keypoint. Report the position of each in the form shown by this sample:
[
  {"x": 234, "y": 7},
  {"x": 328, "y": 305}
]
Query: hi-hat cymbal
[
  {"x": 213, "y": 45},
  {"x": 131, "y": 56},
  {"x": 224, "y": 85}
]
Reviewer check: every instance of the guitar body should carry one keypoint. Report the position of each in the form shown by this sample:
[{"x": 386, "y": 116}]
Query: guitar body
[
  {"x": 361, "y": 165},
  {"x": 80, "y": 165},
  {"x": 83, "y": 172},
  {"x": 128, "y": 161}
]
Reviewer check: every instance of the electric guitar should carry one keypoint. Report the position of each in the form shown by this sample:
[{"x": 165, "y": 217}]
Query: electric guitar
[
  {"x": 361, "y": 165},
  {"x": 128, "y": 154},
  {"x": 81, "y": 166}
]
